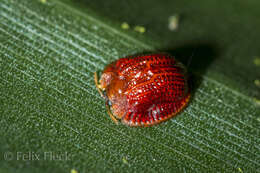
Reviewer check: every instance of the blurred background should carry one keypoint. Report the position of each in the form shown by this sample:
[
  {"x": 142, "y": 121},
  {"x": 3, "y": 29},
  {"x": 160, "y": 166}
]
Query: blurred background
[{"x": 224, "y": 32}]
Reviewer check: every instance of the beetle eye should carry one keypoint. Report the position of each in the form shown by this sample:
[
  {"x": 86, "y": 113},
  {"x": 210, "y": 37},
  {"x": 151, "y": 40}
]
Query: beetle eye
[{"x": 109, "y": 103}]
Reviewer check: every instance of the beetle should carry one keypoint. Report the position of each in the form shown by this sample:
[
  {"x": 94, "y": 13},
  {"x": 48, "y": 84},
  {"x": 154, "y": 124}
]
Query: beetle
[{"x": 144, "y": 90}]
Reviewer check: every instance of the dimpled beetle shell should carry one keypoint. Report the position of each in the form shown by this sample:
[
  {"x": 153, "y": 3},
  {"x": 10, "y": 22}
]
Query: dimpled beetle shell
[{"x": 145, "y": 90}]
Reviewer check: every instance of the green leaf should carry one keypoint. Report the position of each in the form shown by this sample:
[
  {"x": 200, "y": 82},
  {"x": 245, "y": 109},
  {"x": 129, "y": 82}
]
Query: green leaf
[{"x": 53, "y": 118}]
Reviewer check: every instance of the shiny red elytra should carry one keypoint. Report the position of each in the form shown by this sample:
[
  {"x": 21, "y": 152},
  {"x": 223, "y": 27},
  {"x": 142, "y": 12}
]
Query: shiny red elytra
[{"x": 144, "y": 90}]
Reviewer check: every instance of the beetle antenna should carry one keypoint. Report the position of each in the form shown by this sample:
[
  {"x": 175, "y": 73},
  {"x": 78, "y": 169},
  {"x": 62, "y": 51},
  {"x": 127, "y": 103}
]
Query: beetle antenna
[
  {"x": 110, "y": 113},
  {"x": 190, "y": 59},
  {"x": 98, "y": 85}
]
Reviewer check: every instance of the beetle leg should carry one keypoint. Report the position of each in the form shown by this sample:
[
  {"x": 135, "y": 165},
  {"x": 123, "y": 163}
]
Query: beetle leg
[
  {"x": 110, "y": 113},
  {"x": 98, "y": 85}
]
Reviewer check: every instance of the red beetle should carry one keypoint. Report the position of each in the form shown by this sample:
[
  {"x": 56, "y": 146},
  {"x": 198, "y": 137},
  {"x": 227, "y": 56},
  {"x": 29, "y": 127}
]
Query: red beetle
[{"x": 144, "y": 90}]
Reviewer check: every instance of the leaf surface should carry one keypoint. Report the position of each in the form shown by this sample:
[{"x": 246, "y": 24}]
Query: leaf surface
[{"x": 49, "y": 51}]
